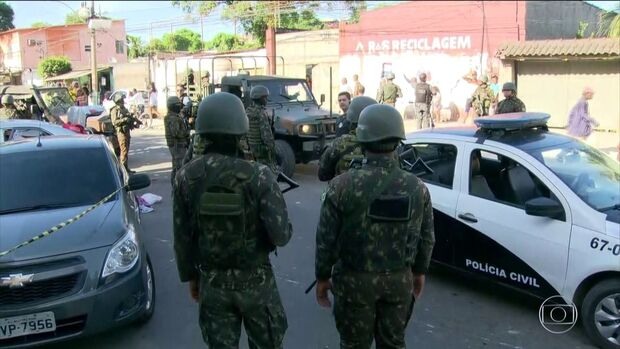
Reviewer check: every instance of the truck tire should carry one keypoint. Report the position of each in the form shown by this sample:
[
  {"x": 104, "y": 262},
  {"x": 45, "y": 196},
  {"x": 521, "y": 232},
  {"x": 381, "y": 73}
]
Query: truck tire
[
  {"x": 285, "y": 158},
  {"x": 598, "y": 300}
]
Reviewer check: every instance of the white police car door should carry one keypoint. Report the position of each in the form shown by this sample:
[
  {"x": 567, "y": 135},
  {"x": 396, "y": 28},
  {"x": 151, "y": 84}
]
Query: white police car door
[
  {"x": 497, "y": 238},
  {"x": 443, "y": 159}
]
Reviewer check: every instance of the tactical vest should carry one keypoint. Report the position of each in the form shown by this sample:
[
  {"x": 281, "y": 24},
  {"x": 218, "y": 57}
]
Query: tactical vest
[
  {"x": 421, "y": 93},
  {"x": 350, "y": 152},
  {"x": 375, "y": 233},
  {"x": 169, "y": 120},
  {"x": 254, "y": 117},
  {"x": 225, "y": 209}
]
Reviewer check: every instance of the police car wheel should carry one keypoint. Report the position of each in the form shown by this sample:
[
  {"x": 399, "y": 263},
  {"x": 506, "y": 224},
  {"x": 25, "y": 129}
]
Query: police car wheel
[
  {"x": 601, "y": 314},
  {"x": 285, "y": 158}
]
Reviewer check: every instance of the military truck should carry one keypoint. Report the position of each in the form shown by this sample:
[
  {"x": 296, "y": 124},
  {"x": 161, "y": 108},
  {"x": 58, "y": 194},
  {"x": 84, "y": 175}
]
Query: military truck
[
  {"x": 55, "y": 105},
  {"x": 302, "y": 129}
]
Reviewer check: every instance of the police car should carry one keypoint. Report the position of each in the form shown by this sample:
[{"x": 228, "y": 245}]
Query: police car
[{"x": 527, "y": 208}]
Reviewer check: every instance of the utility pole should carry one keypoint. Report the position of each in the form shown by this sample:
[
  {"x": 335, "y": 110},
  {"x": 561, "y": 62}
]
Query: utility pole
[
  {"x": 202, "y": 36},
  {"x": 93, "y": 57},
  {"x": 149, "y": 55}
]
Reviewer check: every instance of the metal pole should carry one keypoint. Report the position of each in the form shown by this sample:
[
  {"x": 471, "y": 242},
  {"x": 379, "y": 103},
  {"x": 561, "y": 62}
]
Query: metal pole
[
  {"x": 202, "y": 35},
  {"x": 150, "y": 53},
  {"x": 93, "y": 59},
  {"x": 330, "y": 91}
]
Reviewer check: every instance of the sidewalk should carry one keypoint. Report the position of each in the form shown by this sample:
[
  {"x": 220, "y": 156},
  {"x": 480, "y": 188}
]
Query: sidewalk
[{"x": 606, "y": 142}]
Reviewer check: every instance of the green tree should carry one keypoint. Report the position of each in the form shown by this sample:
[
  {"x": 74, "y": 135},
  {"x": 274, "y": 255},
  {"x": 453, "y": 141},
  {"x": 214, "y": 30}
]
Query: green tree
[
  {"x": 6, "y": 16},
  {"x": 581, "y": 31},
  {"x": 228, "y": 42},
  {"x": 156, "y": 45},
  {"x": 40, "y": 24},
  {"x": 609, "y": 23},
  {"x": 74, "y": 18},
  {"x": 256, "y": 16},
  {"x": 136, "y": 47},
  {"x": 182, "y": 40},
  {"x": 356, "y": 8},
  {"x": 54, "y": 65}
]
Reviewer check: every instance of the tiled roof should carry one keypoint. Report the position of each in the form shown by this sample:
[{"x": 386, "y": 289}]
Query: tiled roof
[{"x": 599, "y": 47}]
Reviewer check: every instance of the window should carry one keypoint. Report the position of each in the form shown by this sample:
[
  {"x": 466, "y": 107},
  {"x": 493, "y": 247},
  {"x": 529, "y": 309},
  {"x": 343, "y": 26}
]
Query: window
[
  {"x": 434, "y": 163},
  {"x": 120, "y": 47},
  {"x": 23, "y": 132},
  {"x": 55, "y": 177},
  {"x": 287, "y": 91},
  {"x": 499, "y": 178}
]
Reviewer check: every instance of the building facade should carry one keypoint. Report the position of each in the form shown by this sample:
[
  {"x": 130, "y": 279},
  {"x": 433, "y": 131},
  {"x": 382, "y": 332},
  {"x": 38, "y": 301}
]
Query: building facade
[
  {"x": 449, "y": 40},
  {"x": 21, "y": 50}
]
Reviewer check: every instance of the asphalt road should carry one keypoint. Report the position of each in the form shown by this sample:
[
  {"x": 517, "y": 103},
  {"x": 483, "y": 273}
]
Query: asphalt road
[{"x": 454, "y": 312}]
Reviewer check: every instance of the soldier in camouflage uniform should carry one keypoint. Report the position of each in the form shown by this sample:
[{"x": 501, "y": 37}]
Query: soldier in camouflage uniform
[
  {"x": 483, "y": 98},
  {"x": 260, "y": 136},
  {"x": 177, "y": 134},
  {"x": 8, "y": 110},
  {"x": 374, "y": 239},
  {"x": 511, "y": 104},
  {"x": 229, "y": 214},
  {"x": 389, "y": 92},
  {"x": 123, "y": 122},
  {"x": 337, "y": 158}
]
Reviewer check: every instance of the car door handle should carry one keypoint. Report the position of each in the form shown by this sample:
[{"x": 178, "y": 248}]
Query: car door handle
[{"x": 468, "y": 217}]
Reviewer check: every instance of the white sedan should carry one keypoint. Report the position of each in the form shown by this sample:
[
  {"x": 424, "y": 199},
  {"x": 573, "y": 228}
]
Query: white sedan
[
  {"x": 13, "y": 130},
  {"x": 530, "y": 209}
]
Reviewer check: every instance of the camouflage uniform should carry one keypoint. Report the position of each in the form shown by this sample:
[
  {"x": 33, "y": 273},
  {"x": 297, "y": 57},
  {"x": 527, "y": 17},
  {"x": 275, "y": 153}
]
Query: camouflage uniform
[
  {"x": 482, "y": 99},
  {"x": 177, "y": 139},
  {"x": 337, "y": 158},
  {"x": 375, "y": 231},
  {"x": 373, "y": 259},
  {"x": 260, "y": 137},
  {"x": 345, "y": 149},
  {"x": 8, "y": 113},
  {"x": 229, "y": 214},
  {"x": 511, "y": 104},
  {"x": 389, "y": 93},
  {"x": 123, "y": 122}
]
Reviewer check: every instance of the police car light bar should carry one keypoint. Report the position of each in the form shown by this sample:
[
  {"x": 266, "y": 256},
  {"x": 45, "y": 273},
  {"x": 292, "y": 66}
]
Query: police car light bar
[{"x": 513, "y": 121}]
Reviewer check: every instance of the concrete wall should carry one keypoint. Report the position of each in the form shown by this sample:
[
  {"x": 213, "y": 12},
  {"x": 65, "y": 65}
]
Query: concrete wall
[
  {"x": 130, "y": 75},
  {"x": 318, "y": 48},
  {"x": 555, "y": 86},
  {"x": 444, "y": 39}
]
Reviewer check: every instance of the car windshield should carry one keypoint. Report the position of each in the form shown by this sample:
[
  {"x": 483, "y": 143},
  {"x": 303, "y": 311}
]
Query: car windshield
[
  {"x": 42, "y": 179},
  {"x": 57, "y": 100},
  {"x": 283, "y": 91},
  {"x": 592, "y": 175}
]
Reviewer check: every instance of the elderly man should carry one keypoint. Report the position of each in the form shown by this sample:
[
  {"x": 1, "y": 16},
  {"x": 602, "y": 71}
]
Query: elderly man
[{"x": 580, "y": 123}]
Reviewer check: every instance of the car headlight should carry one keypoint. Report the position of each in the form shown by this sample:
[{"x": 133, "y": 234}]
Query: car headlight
[
  {"x": 123, "y": 255},
  {"x": 307, "y": 129}
]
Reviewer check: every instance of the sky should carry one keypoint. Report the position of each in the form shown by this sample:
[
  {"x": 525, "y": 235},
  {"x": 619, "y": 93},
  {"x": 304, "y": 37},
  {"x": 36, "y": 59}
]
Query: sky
[{"x": 139, "y": 14}]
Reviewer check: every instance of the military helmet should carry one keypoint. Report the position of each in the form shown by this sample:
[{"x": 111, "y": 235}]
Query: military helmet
[
  {"x": 222, "y": 113},
  {"x": 390, "y": 76},
  {"x": 258, "y": 92},
  {"x": 118, "y": 97},
  {"x": 7, "y": 99},
  {"x": 173, "y": 101},
  {"x": 357, "y": 105},
  {"x": 380, "y": 122},
  {"x": 509, "y": 86},
  {"x": 484, "y": 79}
]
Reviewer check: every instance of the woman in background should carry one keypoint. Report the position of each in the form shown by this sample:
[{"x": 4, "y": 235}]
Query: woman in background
[{"x": 153, "y": 100}]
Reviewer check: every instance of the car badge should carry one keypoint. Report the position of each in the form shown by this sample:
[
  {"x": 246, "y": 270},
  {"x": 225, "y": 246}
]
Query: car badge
[{"x": 16, "y": 280}]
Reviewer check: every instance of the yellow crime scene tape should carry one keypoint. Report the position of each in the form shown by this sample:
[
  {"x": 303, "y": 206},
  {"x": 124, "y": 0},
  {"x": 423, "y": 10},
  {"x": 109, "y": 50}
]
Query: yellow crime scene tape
[{"x": 61, "y": 225}]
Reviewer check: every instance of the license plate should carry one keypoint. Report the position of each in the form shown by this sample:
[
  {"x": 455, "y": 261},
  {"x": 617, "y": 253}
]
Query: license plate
[{"x": 27, "y": 324}]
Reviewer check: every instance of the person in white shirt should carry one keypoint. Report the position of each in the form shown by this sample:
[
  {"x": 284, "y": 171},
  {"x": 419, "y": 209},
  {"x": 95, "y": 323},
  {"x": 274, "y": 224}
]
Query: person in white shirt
[{"x": 344, "y": 86}]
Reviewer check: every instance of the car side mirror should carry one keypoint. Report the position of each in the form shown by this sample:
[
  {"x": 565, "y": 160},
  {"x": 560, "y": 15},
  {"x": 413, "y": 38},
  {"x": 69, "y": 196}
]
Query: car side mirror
[
  {"x": 138, "y": 181},
  {"x": 322, "y": 98},
  {"x": 544, "y": 207}
]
